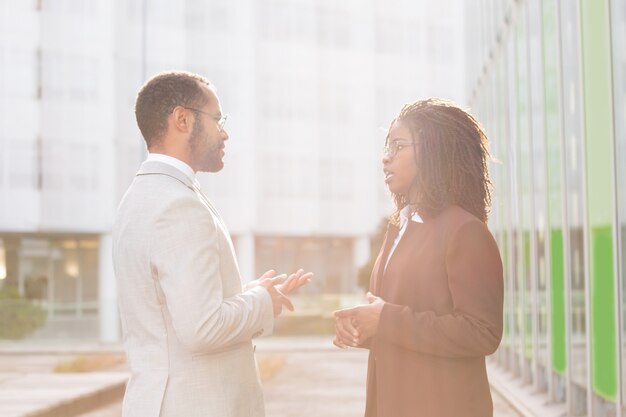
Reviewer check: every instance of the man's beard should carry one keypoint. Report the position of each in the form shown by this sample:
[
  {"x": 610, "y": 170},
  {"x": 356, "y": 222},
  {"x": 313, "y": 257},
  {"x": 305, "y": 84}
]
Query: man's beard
[{"x": 208, "y": 160}]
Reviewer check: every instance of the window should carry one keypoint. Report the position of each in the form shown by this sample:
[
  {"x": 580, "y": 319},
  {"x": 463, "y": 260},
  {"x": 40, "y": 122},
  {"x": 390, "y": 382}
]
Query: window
[
  {"x": 618, "y": 25},
  {"x": 574, "y": 192}
]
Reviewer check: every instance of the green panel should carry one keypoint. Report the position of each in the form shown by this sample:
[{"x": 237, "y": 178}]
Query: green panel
[
  {"x": 603, "y": 342},
  {"x": 600, "y": 198},
  {"x": 557, "y": 301}
]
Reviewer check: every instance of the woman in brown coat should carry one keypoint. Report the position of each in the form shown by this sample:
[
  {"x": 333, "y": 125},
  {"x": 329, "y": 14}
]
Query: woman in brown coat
[{"x": 436, "y": 291}]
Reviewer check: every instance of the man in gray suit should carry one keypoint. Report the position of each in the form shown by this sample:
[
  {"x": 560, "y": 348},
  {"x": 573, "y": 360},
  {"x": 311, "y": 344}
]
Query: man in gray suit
[{"x": 187, "y": 321}]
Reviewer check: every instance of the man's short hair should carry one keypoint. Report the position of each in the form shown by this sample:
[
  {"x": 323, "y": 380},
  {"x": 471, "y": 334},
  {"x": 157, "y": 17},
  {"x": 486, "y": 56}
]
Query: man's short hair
[{"x": 160, "y": 95}]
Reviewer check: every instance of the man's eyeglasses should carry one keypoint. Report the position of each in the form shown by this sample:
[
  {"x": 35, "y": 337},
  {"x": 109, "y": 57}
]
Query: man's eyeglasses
[
  {"x": 221, "y": 121},
  {"x": 395, "y": 146}
]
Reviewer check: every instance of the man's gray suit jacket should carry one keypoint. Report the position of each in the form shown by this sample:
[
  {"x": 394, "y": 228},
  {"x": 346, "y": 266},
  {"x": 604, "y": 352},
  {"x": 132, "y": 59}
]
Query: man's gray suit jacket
[{"x": 187, "y": 325}]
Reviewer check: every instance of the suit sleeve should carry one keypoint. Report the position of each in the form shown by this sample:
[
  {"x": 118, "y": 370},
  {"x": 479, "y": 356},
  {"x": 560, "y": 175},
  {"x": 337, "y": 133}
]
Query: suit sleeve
[
  {"x": 474, "y": 327},
  {"x": 185, "y": 256}
]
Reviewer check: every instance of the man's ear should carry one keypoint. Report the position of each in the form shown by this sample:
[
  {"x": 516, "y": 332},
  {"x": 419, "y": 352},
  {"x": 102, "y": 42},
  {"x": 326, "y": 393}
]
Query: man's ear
[{"x": 181, "y": 119}]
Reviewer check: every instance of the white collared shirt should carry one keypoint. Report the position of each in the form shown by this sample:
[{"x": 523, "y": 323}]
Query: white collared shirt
[
  {"x": 404, "y": 220},
  {"x": 175, "y": 162}
]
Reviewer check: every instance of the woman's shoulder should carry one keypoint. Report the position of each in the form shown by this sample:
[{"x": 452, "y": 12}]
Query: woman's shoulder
[
  {"x": 457, "y": 216},
  {"x": 469, "y": 238},
  {"x": 455, "y": 220}
]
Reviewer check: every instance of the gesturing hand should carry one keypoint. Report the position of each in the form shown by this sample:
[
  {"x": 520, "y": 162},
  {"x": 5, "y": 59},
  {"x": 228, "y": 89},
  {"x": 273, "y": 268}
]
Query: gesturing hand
[
  {"x": 276, "y": 279},
  {"x": 295, "y": 281},
  {"x": 285, "y": 284},
  {"x": 278, "y": 298},
  {"x": 270, "y": 281},
  {"x": 357, "y": 324},
  {"x": 280, "y": 285}
]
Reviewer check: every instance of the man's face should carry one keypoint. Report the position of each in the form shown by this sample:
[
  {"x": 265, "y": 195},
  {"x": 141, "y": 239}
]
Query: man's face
[{"x": 206, "y": 141}]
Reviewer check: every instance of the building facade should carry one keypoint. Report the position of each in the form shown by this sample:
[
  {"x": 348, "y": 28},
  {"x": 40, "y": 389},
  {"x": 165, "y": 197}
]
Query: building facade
[
  {"x": 310, "y": 88},
  {"x": 548, "y": 79}
]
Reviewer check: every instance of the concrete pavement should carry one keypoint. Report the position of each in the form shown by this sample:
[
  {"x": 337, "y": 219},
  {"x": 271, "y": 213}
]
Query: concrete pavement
[
  {"x": 321, "y": 380},
  {"x": 30, "y": 387},
  {"x": 316, "y": 379},
  {"x": 322, "y": 383},
  {"x": 53, "y": 395}
]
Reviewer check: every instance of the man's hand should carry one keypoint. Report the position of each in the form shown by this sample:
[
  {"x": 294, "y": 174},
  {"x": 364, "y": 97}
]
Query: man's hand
[
  {"x": 295, "y": 281},
  {"x": 280, "y": 285},
  {"x": 276, "y": 279},
  {"x": 285, "y": 284},
  {"x": 357, "y": 324},
  {"x": 278, "y": 298}
]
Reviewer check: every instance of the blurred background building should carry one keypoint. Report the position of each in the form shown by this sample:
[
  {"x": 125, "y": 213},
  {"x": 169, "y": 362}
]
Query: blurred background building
[
  {"x": 548, "y": 79},
  {"x": 310, "y": 88}
]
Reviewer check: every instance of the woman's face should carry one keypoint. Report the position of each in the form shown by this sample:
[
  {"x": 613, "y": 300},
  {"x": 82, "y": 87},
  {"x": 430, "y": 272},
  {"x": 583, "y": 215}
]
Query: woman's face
[{"x": 398, "y": 160}]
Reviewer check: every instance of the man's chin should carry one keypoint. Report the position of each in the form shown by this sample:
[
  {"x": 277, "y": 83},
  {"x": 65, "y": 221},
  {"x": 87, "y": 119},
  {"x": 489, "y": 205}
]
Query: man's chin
[{"x": 212, "y": 167}]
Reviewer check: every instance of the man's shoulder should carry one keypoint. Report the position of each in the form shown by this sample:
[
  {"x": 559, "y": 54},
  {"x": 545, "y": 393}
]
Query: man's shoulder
[
  {"x": 150, "y": 195},
  {"x": 157, "y": 189}
]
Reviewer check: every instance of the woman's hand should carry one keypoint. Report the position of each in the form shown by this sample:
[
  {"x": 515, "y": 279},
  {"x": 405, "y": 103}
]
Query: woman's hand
[
  {"x": 346, "y": 334},
  {"x": 357, "y": 324}
]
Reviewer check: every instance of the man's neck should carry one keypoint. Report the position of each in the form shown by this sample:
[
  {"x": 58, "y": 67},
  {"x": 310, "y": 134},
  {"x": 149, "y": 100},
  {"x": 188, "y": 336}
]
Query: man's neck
[{"x": 173, "y": 161}]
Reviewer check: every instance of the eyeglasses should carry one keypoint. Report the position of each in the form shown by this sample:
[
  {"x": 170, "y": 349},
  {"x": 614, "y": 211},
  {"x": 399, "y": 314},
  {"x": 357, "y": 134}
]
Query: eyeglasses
[
  {"x": 391, "y": 149},
  {"x": 221, "y": 121}
]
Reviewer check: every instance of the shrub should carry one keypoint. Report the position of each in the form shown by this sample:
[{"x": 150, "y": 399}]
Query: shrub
[
  {"x": 18, "y": 316},
  {"x": 90, "y": 363}
]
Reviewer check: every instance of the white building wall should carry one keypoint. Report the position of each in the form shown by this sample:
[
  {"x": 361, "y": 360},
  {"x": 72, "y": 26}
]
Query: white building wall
[
  {"x": 310, "y": 88},
  {"x": 76, "y": 116},
  {"x": 19, "y": 117}
]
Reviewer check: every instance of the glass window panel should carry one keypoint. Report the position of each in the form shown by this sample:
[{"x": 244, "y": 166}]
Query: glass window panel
[
  {"x": 507, "y": 211},
  {"x": 88, "y": 252},
  {"x": 500, "y": 209},
  {"x": 539, "y": 191},
  {"x": 514, "y": 242},
  {"x": 525, "y": 198},
  {"x": 574, "y": 191},
  {"x": 600, "y": 202}
]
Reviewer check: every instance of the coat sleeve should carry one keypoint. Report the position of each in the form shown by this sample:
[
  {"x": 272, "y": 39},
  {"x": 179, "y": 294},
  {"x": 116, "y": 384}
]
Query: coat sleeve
[
  {"x": 367, "y": 343},
  {"x": 185, "y": 257},
  {"x": 474, "y": 326}
]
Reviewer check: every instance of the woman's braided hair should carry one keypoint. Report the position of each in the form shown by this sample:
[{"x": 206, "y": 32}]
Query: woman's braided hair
[{"x": 451, "y": 154}]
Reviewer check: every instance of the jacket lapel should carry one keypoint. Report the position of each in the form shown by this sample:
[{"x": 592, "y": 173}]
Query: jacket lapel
[
  {"x": 205, "y": 199},
  {"x": 390, "y": 237}
]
